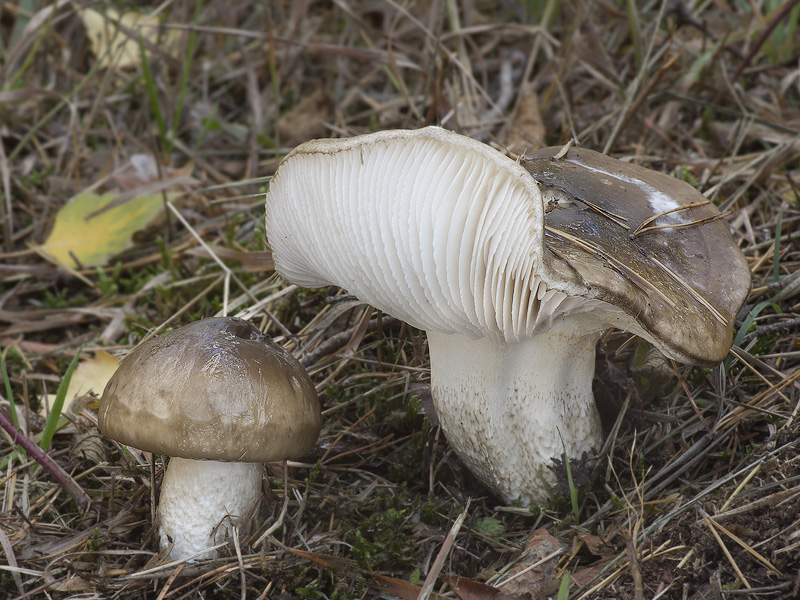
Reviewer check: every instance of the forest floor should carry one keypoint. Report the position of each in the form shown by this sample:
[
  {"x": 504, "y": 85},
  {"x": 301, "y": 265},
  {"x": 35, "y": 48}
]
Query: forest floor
[{"x": 188, "y": 107}]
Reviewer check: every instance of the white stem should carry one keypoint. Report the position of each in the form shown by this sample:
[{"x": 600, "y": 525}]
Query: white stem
[
  {"x": 503, "y": 407},
  {"x": 202, "y": 501}
]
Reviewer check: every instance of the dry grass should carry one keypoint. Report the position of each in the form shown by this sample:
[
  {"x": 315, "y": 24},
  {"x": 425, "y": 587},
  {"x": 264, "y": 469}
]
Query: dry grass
[{"x": 700, "y": 494}]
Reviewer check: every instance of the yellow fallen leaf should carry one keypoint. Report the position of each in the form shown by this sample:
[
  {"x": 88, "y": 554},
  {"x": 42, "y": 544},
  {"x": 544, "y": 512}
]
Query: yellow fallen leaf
[
  {"x": 73, "y": 583},
  {"x": 306, "y": 121},
  {"x": 91, "y": 228},
  {"x": 527, "y": 127},
  {"x": 91, "y": 375},
  {"x": 113, "y": 46}
]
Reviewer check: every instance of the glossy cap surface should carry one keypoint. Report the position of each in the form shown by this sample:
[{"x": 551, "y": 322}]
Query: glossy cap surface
[
  {"x": 646, "y": 242},
  {"x": 216, "y": 389}
]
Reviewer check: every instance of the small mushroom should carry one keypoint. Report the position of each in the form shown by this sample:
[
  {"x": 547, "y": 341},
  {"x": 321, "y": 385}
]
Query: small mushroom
[
  {"x": 514, "y": 270},
  {"x": 220, "y": 398}
]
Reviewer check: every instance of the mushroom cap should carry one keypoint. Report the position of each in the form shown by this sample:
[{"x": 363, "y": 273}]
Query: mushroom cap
[
  {"x": 680, "y": 275},
  {"x": 449, "y": 235},
  {"x": 216, "y": 389}
]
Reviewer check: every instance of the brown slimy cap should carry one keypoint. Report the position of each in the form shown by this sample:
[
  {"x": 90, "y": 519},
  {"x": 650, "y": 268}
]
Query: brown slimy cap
[
  {"x": 646, "y": 242},
  {"x": 216, "y": 389}
]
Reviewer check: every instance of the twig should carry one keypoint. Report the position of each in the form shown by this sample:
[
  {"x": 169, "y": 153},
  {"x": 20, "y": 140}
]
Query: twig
[
  {"x": 725, "y": 550},
  {"x": 744, "y": 545},
  {"x": 279, "y": 521},
  {"x": 436, "y": 568},
  {"x": 763, "y": 330},
  {"x": 782, "y": 12},
  {"x": 242, "y": 576},
  {"x": 62, "y": 477},
  {"x": 336, "y": 341},
  {"x": 645, "y": 225},
  {"x": 170, "y": 581},
  {"x": 11, "y": 559}
]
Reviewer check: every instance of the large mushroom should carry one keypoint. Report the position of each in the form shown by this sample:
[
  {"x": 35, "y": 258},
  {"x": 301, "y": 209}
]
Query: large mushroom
[
  {"x": 220, "y": 398},
  {"x": 514, "y": 269}
]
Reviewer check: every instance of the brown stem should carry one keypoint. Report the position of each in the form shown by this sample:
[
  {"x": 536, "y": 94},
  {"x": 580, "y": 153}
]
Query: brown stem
[{"x": 62, "y": 478}]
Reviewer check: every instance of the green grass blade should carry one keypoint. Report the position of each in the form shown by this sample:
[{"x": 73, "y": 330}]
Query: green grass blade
[
  {"x": 58, "y": 404},
  {"x": 750, "y": 318},
  {"x": 633, "y": 26},
  {"x": 9, "y": 395},
  {"x": 747, "y": 324},
  {"x": 152, "y": 95},
  {"x": 776, "y": 252},
  {"x": 31, "y": 55},
  {"x": 68, "y": 98},
  {"x": 573, "y": 491},
  {"x": 563, "y": 589},
  {"x": 187, "y": 68},
  {"x": 20, "y": 452}
]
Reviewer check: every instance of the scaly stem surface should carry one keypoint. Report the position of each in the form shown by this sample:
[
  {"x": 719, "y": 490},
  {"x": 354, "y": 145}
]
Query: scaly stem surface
[{"x": 506, "y": 408}]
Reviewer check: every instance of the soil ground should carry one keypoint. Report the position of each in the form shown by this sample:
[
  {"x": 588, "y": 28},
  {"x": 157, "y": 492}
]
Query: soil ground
[{"x": 697, "y": 492}]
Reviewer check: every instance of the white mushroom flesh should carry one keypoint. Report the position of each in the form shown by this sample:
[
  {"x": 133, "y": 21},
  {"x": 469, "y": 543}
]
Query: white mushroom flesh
[
  {"x": 202, "y": 501},
  {"x": 508, "y": 409}
]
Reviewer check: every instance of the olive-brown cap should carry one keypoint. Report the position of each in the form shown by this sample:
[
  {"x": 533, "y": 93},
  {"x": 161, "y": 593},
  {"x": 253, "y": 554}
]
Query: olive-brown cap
[
  {"x": 646, "y": 242},
  {"x": 216, "y": 389}
]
